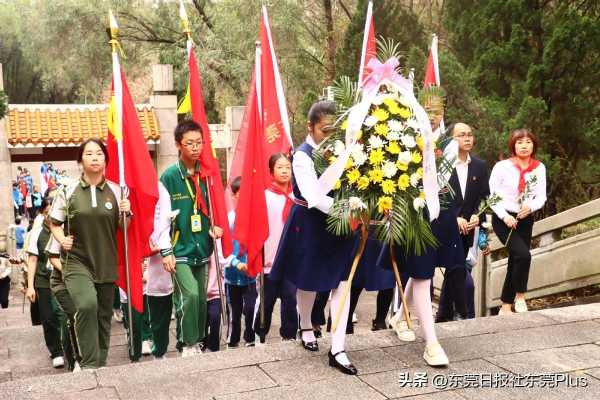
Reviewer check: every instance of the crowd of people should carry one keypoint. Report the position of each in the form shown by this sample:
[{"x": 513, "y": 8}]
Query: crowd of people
[{"x": 72, "y": 248}]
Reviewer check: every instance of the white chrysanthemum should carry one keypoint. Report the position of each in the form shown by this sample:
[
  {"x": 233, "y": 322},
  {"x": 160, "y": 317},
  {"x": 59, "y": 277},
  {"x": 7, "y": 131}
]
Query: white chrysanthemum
[
  {"x": 414, "y": 179},
  {"x": 338, "y": 147},
  {"x": 418, "y": 203},
  {"x": 408, "y": 141},
  {"x": 358, "y": 155},
  {"x": 395, "y": 125},
  {"x": 404, "y": 157},
  {"x": 370, "y": 121},
  {"x": 393, "y": 135},
  {"x": 414, "y": 124},
  {"x": 356, "y": 203},
  {"x": 389, "y": 169},
  {"x": 375, "y": 142}
]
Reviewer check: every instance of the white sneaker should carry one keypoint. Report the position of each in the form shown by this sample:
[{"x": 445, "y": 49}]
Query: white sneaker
[
  {"x": 146, "y": 347},
  {"x": 77, "y": 367},
  {"x": 403, "y": 332},
  {"x": 58, "y": 362},
  {"x": 521, "y": 306},
  {"x": 189, "y": 351},
  {"x": 435, "y": 355},
  {"x": 354, "y": 318}
]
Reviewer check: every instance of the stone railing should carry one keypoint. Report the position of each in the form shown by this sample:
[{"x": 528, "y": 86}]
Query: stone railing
[{"x": 565, "y": 256}]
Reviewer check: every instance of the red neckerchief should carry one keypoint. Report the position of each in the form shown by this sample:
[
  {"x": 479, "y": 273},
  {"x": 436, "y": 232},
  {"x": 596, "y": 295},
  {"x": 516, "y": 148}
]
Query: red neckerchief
[
  {"x": 533, "y": 164},
  {"x": 288, "y": 202},
  {"x": 200, "y": 203}
]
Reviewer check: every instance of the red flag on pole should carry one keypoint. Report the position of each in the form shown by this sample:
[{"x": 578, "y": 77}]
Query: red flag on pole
[
  {"x": 276, "y": 137},
  {"x": 140, "y": 178},
  {"x": 251, "y": 220},
  {"x": 209, "y": 165},
  {"x": 432, "y": 70},
  {"x": 369, "y": 46}
]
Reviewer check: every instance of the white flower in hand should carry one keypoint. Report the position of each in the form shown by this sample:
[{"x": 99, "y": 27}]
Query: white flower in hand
[
  {"x": 418, "y": 203},
  {"x": 356, "y": 203}
]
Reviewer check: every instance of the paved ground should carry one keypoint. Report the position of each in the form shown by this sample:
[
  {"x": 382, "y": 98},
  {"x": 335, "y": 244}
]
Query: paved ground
[{"x": 549, "y": 354}]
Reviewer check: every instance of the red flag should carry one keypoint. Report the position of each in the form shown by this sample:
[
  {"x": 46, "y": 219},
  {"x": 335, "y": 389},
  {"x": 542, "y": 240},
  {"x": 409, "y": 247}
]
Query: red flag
[
  {"x": 276, "y": 135},
  {"x": 141, "y": 180},
  {"x": 209, "y": 165},
  {"x": 432, "y": 70},
  {"x": 251, "y": 220},
  {"x": 369, "y": 47}
]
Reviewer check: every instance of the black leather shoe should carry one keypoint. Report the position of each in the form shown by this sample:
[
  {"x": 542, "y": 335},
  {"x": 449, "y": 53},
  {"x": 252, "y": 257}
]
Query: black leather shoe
[
  {"x": 310, "y": 346},
  {"x": 317, "y": 333},
  {"x": 378, "y": 326},
  {"x": 346, "y": 369}
]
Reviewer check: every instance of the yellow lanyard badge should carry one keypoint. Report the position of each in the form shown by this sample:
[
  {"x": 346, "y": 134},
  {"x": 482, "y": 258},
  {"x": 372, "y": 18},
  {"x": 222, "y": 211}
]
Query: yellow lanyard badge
[{"x": 196, "y": 219}]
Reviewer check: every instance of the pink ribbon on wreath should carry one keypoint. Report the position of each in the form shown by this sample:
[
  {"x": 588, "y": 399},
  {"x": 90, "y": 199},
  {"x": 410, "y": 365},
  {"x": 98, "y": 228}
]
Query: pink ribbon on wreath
[{"x": 381, "y": 72}]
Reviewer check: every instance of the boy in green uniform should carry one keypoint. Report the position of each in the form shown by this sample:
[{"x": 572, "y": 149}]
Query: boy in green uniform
[{"x": 190, "y": 236}]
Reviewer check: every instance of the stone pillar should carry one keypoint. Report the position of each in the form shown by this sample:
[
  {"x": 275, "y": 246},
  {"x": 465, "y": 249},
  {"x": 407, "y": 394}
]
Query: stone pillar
[
  {"x": 164, "y": 103},
  {"x": 6, "y": 203},
  {"x": 233, "y": 123}
]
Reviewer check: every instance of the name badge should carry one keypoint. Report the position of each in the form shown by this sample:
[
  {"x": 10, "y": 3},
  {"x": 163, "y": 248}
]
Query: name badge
[{"x": 196, "y": 222}]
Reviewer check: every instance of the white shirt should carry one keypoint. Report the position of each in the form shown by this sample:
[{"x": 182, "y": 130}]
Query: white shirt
[
  {"x": 275, "y": 206},
  {"x": 306, "y": 178},
  {"x": 462, "y": 171},
  {"x": 159, "y": 281},
  {"x": 504, "y": 181}
]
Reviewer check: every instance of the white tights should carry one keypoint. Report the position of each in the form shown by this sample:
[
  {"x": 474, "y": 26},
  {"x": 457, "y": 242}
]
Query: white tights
[{"x": 417, "y": 293}]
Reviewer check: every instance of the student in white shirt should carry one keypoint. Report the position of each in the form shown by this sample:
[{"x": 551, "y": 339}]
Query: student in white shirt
[{"x": 520, "y": 181}]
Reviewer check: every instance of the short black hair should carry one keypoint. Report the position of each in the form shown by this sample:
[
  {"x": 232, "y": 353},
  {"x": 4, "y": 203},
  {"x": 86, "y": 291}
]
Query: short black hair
[
  {"x": 187, "y": 125},
  {"x": 319, "y": 110},
  {"x": 274, "y": 158},
  {"x": 88, "y": 141},
  {"x": 235, "y": 184},
  {"x": 18, "y": 220}
]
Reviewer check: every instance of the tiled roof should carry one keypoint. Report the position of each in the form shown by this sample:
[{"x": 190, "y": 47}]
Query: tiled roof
[{"x": 39, "y": 125}]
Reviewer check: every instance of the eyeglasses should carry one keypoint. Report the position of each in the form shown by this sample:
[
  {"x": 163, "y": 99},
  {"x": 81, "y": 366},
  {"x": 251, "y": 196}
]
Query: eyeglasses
[{"x": 192, "y": 145}]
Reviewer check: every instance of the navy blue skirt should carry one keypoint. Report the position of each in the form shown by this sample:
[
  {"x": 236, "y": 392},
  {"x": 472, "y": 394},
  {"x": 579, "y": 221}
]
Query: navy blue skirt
[
  {"x": 371, "y": 275},
  {"x": 309, "y": 256},
  {"x": 448, "y": 254}
]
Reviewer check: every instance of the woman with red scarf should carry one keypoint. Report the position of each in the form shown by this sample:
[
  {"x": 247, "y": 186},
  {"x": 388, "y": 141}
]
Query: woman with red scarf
[
  {"x": 520, "y": 181},
  {"x": 279, "y": 204}
]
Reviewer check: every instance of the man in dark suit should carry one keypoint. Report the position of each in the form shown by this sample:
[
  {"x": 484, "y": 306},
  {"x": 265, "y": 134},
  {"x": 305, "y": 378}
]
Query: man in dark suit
[{"x": 469, "y": 181}]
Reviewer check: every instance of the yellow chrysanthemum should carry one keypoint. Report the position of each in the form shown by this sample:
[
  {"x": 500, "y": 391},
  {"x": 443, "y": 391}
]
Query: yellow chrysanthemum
[
  {"x": 376, "y": 156},
  {"x": 420, "y": 142},
  {"x": 332, "y": 159},
  {"x": 403, "y": 181},
  {"x": 388, "y": 186},
  {"x": 349, "y": 163},
  {"x": 420, "y": 172},
  {"x": 376, "y": 175},
  {"x": 393, "y": 147},
  {"x": 384, "y": 204},
  {"x": 353, "y": 175},
  {"x": 362, "y": 183},
  {"x": 422, "y": 195},
  {"x": 344, "y": 125},
  {"x": 382, "y": 129},
  {"x": 401, "y": 166},
  {"x": 338, "y": 184},
  {"x": 405, "y": 113},
  {"x": 416, "y": 157},
  {"x": 390, "y": 103},
  {"x": 380, "y": 114}
]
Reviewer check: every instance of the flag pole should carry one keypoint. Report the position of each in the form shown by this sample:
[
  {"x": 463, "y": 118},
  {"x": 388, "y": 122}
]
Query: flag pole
[
  {"x": 258, "y": 80},
  {"x": 118, "y": 95}
]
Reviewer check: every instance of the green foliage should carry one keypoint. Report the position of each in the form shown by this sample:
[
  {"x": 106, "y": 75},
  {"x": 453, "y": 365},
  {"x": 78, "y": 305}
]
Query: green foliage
[{"x": 3, "y": 104}]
